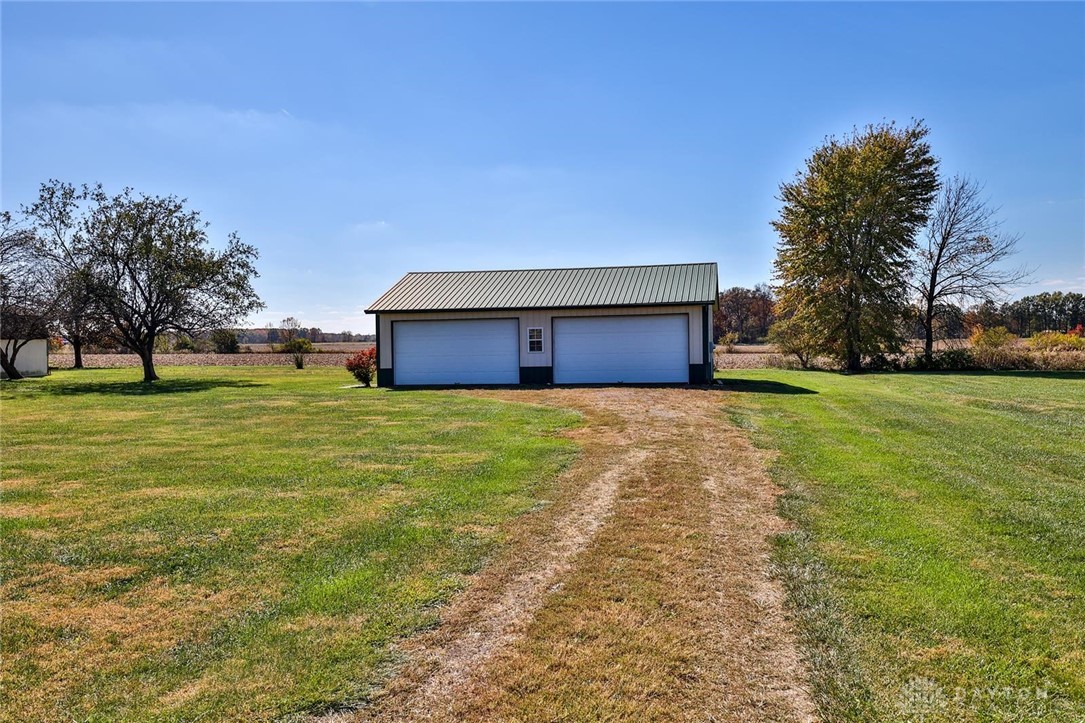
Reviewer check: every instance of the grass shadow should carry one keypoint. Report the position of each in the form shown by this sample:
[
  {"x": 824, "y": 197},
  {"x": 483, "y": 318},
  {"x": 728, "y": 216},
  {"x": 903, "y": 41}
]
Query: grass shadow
[
  {"x": 1020, "y": 373},
  {"x": 140, "y": 389},
  {"x": 599, "y": 385},
  {"x": 759, "y": 386}
]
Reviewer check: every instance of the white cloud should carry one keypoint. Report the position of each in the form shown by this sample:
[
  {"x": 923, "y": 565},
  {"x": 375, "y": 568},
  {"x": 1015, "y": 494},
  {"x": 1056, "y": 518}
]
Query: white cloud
[{"x": 368, "y": 228}]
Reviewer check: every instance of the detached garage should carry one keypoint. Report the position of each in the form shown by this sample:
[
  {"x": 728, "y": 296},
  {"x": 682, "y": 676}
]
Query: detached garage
[{"x": 612, "y": 325}]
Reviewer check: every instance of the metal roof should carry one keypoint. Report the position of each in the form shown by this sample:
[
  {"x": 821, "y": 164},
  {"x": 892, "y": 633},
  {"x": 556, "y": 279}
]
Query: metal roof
[{"x": 667, "y": 284}]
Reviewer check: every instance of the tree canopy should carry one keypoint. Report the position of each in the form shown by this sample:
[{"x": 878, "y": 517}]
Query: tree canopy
[
  {"x": 848, "y": 227},
  {"x": 136, "y": 266},
  {"x": 152, "y": 270}
]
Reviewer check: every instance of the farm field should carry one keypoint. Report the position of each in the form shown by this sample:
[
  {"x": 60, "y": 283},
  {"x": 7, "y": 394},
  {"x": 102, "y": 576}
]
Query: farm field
[
  {"x": 938, "y": 568},
  {"x": 241, "y": 543},
  {"x": 187, "y": 359}
]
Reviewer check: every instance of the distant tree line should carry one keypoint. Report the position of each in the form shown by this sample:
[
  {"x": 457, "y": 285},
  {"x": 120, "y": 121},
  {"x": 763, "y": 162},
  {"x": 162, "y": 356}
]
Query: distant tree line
[
  {"x": 749, "y": 314},
  {"x": 273, "y": 334},
  {"x": 126, "y": 270},
  {"x": 746, "y": 314}
]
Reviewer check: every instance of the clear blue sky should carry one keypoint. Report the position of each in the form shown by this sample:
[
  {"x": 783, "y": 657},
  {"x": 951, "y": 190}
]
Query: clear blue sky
[{"x": 354, "y": 142}]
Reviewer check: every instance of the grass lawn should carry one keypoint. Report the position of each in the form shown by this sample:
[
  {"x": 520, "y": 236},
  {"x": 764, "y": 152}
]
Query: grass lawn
[
  {"x": 938, "y": 567},
  {"x": 240, "y": 543}
]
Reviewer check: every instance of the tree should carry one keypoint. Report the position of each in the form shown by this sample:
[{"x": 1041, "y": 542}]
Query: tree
[
  {"x": 225, "y": 341},
  {"x": 961, "y": 259},
  {"x": 847, "y": 230},
  {"x": 293, "y": 342},
  {"x": 57, "y": 219},
  {"x": 792, "y": 336},
  {"x": 745, "y": 312},
  {"x": 152, "y": 271},
  {"x": 985, "y": 315},
  {"x": 78, "y": 320},
  {"x": 26, "y": 299},
  {"x": 1051, "y": 310}
]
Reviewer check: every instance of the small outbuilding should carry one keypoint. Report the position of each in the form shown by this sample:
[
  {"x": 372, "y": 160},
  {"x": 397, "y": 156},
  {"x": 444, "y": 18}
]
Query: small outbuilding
[
  {"x": 617, "y": 324},
  {"x": 32, "y": 359}
]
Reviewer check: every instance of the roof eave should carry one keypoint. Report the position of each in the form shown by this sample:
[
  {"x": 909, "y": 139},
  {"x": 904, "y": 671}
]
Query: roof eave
[{"x": 701, "y": 302}]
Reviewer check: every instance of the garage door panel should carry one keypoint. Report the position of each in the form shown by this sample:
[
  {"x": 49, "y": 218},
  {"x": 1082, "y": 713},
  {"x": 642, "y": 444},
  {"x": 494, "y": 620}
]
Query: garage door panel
[
  {"x": 609, "y": 349},
  {"x": 461, "y": 351}
]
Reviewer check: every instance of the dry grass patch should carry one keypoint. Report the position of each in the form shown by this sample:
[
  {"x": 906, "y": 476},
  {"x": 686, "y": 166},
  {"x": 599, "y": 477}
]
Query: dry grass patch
[
  {"x": 643, "y": 592},
  {"x": 244, "y": 573}
]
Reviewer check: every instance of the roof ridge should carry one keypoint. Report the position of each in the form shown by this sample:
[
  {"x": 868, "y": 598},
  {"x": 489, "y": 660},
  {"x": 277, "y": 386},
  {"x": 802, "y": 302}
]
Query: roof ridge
[{"x": 563, "y": 268}]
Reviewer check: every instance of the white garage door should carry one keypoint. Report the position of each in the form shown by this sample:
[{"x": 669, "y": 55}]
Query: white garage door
[
  {"x": 475, "y": 351},
  {"x": 603, "y": 349}
]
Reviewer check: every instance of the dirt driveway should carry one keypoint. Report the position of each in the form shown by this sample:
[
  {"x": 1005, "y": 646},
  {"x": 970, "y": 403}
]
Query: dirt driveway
[{"x": 641, "y": 592}]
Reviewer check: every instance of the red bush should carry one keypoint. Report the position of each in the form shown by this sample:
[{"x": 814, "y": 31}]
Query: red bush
[
  {"x": 1078, "y": 331},
  {"x": 363, "y": 365}
]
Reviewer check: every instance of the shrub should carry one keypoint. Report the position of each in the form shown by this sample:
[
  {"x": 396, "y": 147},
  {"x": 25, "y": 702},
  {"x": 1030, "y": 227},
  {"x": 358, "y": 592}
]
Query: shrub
[
  {"x": 297, "y": 348},
  {"x": 190, "y": 344},
  {"x": 1078, "y": 331},
  {"x": 225, "y": 341},
  {"x": 791, "y": 336},
  {"x": 1062, "y": 361},
  {"x": 883, "y": 363},
  {"x": 951, "y": 359},
  {"x": 1054, "y": 341},
  {"x": 1003, "y": 358},
  {"x": 363, "y": 365},
  {"x": 994, "y": 338},
  {"x": 728, "y": 341}
]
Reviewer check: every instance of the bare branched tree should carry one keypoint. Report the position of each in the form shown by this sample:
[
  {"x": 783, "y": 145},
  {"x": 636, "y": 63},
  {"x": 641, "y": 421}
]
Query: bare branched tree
[
  {"x": 57, "y": 218},
  {"x": 962, "y": 257},
  {"x": 26, "y": 302}
]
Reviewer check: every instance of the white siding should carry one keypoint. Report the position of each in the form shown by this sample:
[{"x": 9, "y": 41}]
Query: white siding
[{"x": 32, "y": 360}]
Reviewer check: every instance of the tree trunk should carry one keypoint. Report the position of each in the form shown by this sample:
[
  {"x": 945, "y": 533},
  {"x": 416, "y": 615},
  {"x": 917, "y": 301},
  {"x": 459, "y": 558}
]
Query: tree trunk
[
  {"x": 853, "y": 360},
  {"x": 928, "y": 337},
  {"x": 145, "y": 356},
  {"x": 77, "y": 347},
  {"x": 8, "y": 365}
]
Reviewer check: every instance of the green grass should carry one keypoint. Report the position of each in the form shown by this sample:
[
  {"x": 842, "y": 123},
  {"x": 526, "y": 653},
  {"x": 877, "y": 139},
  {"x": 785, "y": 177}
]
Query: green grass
[
  {"x": 241, "y": 543},
  {"x": 938, "y": 565}
]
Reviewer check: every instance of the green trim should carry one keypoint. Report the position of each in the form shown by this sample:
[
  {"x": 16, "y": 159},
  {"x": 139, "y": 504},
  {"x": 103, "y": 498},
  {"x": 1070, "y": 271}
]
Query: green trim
[{"x": 536, "y": 375}]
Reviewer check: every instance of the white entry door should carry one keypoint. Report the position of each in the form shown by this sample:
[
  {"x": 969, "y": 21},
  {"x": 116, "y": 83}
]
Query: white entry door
[
  {"x": 611, "y": 349},
  {"x": 463, "y": 351}
]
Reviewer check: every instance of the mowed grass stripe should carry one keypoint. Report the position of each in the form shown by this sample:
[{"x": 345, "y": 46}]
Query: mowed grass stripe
[
  {"x": 241, "y": 543},
  {"x": 943, "y": 526}
]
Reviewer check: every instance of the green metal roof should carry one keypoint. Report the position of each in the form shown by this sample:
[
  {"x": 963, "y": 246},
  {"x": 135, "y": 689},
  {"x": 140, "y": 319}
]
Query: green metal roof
[{"x": 668, "y": 284}]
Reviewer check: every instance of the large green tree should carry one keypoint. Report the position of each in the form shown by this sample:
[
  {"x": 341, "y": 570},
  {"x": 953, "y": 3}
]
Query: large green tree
[
  {"x": 152, "y": 270},
  {"x": 848, "y": 228}
]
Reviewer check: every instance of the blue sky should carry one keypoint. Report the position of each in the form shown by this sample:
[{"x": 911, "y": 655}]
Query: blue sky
[{"x": 354, "y": 142}]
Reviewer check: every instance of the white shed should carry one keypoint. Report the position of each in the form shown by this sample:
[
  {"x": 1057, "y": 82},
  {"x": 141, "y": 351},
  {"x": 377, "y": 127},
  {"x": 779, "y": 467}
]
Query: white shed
[{"x": 32, "y": 359}]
